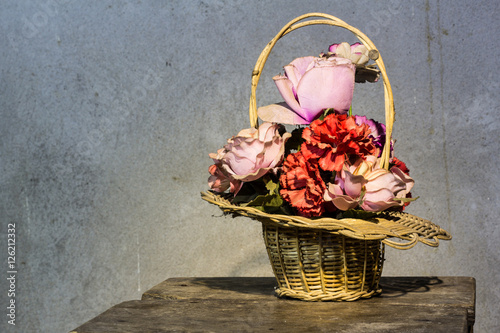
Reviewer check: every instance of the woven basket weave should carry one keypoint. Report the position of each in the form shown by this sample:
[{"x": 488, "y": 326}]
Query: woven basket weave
[{"x": 327, "y": 259}]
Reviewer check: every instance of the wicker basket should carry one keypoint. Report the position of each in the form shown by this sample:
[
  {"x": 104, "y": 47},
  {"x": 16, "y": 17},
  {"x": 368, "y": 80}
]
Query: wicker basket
[
  {"x": 327, "y": 259},
  {"x": 316, "y": 265}
]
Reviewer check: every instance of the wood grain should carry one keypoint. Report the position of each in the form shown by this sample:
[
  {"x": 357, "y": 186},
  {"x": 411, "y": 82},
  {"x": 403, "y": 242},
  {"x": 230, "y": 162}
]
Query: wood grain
[{"x": 408, "y": 304}]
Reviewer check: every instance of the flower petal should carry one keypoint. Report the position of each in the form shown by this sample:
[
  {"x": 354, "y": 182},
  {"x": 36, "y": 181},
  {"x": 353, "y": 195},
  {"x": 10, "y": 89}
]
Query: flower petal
[
  {"x": 343, "y": 50},
  {"x": 333, "y": 48},
  {"x": 409, "y": 182},
  {"x": 333, "y": 190},
  {"x": 286, "y": 89},
  {"x": 328, "y": 85},
  {"x": 353, "y": 185},
  {"x": 296, "y": 69},
  {"x": 280, "y": 113},
  {"x": 344, "y": 202},
  {"x": 379, "y": 201},
  {"x": 249, "y": 133},
  {"x": 382, "y": 178},
  {"x": 361, "y": 53}
]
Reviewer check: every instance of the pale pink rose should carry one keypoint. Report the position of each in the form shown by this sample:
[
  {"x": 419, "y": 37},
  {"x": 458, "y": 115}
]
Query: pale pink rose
[
  {"x": 247, "y": 156},
  {"x": 335, "y": 193},
  {"x": 309, "y": 86},
  {"x": 368, "y": 186},
  {"x": 253, "y": 153}
]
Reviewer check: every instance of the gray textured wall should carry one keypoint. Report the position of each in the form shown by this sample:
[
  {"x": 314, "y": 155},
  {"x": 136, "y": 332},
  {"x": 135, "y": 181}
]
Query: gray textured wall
[{"x": 110, "y": 108}]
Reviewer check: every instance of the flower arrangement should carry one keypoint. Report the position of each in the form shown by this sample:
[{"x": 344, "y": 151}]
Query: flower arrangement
[
  {"x": 330, "y": 164},
  {"x": 330, "y": 193}
]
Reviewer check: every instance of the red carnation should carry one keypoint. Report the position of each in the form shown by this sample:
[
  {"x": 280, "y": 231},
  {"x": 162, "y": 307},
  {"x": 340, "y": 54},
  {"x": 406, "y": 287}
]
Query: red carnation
[
  {"x": 400, "y": 165},
  {"x": 302, "y": 185},
  {"x": 335, "y": 139}
]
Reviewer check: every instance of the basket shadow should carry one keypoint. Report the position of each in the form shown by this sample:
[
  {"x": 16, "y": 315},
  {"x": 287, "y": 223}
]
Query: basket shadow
[
  {"x": 263, "y": 287},
  {"x": 400, "y": 286},
  {"x": 259, "y": 286}
]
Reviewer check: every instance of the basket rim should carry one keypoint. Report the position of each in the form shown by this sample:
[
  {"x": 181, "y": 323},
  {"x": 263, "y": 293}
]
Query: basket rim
[{"x": 399, "y": 230}]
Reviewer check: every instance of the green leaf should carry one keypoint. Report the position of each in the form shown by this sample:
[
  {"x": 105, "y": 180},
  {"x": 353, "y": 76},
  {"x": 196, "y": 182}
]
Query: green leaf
[
  {"x": 325, "y": 113},
  {"x": 244, "y": 198},
  {"x": 405, "y": 199},
  {"x": 269, "y": 203},
  {"x": 272, "y": 186},
  {"x": 262, "y": 194}
]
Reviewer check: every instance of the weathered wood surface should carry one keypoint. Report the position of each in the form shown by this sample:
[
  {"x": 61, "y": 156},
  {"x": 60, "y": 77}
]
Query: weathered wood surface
[{"x": 409, "y": 304}]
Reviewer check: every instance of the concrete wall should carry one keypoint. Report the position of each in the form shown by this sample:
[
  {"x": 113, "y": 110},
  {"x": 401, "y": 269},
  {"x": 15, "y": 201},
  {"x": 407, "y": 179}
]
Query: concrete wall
[{"x": 110, "y": 108}]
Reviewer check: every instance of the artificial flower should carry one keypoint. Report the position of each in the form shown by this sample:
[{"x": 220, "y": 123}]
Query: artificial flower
[
  {"x": 247, "y": 157},
  {"x": 220, "y": 181},
  {"x": 331, "y": 164},
  {"x": 357, "y": 52},
  {"x": 302, "y": 185},
  {"x": 335, "y": 139},
  {"x": 400, "y": 165},
  {"x": 395, "y": 162},
  {"x": 367, "y": 185},
  {"x": 309, "y": 86},
  {"x": 377, "y": 131}
]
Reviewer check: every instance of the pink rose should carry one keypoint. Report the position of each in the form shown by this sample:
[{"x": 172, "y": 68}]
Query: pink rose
[
  {"x": 309, "y": 86},
  {"x": 368, "y": 186},
  {"x": 247, "y": 157}
]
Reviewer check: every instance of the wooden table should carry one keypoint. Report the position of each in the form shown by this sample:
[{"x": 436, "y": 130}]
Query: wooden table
[{"x": 407, "y": 304}]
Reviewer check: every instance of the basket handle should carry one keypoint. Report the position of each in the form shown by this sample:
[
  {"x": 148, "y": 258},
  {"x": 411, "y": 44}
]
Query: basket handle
[{"x": 373, "y": 54}]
